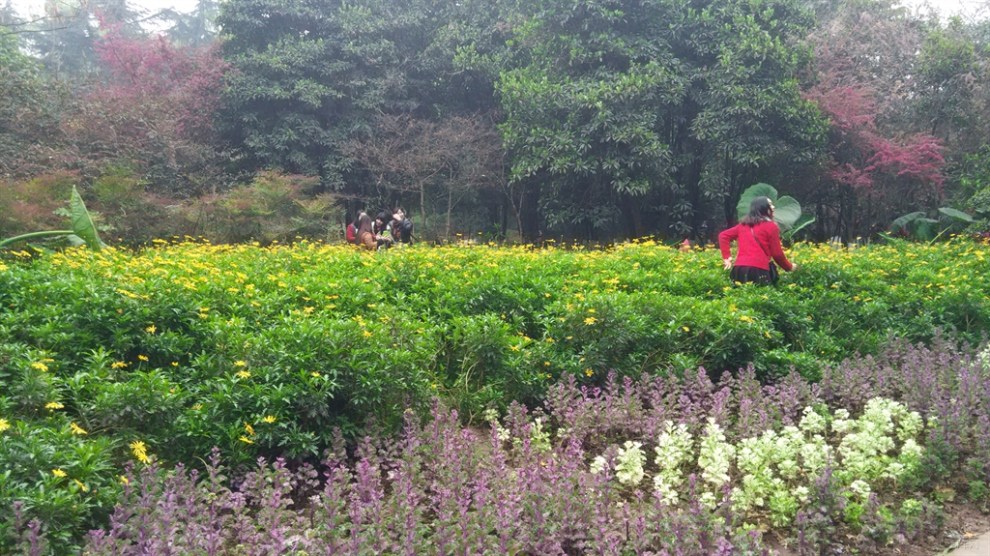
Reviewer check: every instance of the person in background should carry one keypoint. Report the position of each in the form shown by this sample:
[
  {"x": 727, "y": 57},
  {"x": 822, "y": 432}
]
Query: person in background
[
  {"x": 758, "y": 239},
  {"x": 365, "y": 233},
  {"x": 401, "y": 226},
  {"x": 350, "y": 231},
  {"x": 383, "y": 236}
]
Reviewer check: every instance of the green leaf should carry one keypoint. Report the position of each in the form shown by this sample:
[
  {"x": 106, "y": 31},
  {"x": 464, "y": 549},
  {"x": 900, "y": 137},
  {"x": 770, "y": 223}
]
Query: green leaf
[
  {"x": 753, "y": 191},
  {"x": 82, "y": 223},
  {"x": 906, "y": 222},
  {"x": 787, "y": 211},
  {"x": 805, "y": 220},
  {"x": 956, "y": 214}
]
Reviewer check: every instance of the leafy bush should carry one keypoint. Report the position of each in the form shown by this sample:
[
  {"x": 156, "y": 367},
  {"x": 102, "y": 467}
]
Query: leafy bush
[{"x": 266, "y": 351}]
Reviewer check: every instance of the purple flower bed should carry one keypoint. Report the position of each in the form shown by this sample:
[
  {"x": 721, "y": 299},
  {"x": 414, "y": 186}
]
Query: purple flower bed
[{"x": 442, "y": 488}]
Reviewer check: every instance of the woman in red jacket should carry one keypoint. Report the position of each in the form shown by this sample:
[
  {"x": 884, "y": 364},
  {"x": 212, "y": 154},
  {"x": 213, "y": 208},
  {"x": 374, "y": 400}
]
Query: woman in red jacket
[{"x": 759, "y": 245}]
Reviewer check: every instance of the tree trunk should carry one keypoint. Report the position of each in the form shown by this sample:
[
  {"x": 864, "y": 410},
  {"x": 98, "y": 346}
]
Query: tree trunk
[{"x": 529, "y": 217}]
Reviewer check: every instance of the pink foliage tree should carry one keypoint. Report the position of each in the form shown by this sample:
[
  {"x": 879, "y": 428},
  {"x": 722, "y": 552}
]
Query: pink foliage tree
[
  {"x": 155, "y": 107},
  {"x": 872, "y": 177}
]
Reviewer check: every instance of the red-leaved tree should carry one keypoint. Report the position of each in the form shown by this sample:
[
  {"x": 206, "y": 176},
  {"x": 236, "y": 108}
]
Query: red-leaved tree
[
  {"x": 153, "y": 111},
  {"x": 871, "y": 177}
]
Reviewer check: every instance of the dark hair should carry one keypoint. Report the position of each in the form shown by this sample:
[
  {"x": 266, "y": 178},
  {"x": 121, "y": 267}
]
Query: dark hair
[
  {"x": 760, "y": 210},
  {"x": 384, "y": 216}
]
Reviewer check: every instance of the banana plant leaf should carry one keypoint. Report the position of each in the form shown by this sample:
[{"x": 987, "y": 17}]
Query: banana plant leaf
[
  {"x": 803, "y": 222},
  {"x": 82, "y": 223},
  {"x": 787, "y": 211},
  {"x": 906, "y": 221},
  {"x": 83, "y": 230},
  {"x": 957, "y": 215}
]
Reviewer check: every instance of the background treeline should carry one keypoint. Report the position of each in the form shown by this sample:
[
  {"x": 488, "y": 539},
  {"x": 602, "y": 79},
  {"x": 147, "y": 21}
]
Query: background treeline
[{"x": 584, "y": 119}]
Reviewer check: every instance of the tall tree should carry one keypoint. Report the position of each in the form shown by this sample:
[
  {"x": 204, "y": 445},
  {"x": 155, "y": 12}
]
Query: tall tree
[
  {"x": 311, "y": 75},
  {"x": 653, "y": 110},
  {"x": 154, "y": 110},
  {"x": 65, "y": 39},
  {"x": 29, "y": 109}
]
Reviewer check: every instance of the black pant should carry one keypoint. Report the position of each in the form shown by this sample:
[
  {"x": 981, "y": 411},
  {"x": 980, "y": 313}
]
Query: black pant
[{"x": 750, "y": 274}]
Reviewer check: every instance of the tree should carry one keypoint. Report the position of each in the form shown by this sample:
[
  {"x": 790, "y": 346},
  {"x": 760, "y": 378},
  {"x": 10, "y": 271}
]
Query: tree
[
  {"x": 197, "y": 28},
  {"x": 66, "y": 37},
  {"x": 451, "y": 159},
  {"x": 653, "y": 110},
  {"x": 311, "y": 75},
  {"x": 878, "y": 165},
  {"x": 155, "y": 110},
  {"x": 28, "y": 110}
]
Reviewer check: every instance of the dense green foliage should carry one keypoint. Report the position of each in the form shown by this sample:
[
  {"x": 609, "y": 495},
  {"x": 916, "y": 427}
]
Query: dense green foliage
[
  {"x": 171, "y": 351},
  {"x": 618, "y": 109},
  {"x": 330, "y": 336},
  {"x": 591, "y": 119}
]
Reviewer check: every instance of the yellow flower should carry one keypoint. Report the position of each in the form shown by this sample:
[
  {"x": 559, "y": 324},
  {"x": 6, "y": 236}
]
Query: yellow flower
[
  {"x": 367, "y": 334},
  {"x": 746, "y": 318},
  {"x": 315, "y": 374},
  {"x": 76, "y": 429},
  {"x": 4, "y": 425},
  {"x": 240, "y": 363},
  {"x": 685, "y": 328},
  {"x": 118, "y": 365},
  {"x": 58, "y": 472},
  {"x": 54, "y": 405},
  {"x": 246, "y": 440},
  {"x": 588, "y": 372},
  {"x": 243, "y": 374},
  {"x": 124, "y": 480},
  {"x": 151, "y": 329},
  {"x": 82, "y": 486},
  {"x": 197, "y": 406},
  {"x": 40, "y": 366},
  {"x": 269, "y": 419},
  {"x": 249, "y": 428},
  {"x": 142, "y": 357},
  {"x": 140, "y": 451},
  {"x": 590, "y": 320}
]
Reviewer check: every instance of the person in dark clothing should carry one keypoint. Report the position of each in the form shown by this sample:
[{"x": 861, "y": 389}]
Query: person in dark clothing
[
  {"x": 758, "y": 239},
  {"x": 401, "y": 226}
]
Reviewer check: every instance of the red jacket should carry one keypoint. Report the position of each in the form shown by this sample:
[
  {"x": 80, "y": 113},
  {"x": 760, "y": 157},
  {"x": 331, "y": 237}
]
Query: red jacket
[{"x": 757, "y": 244}]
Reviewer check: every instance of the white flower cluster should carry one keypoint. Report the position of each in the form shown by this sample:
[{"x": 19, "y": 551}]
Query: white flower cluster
[
  {"x": 772, "y": 473},
  {"x": 629, "y": 466},
  {"x": 715, "y": 457},
  {"x": 984, "y": 358},
  {"x": 869, "y": 447},
  {"x": 674, "y": 449}
]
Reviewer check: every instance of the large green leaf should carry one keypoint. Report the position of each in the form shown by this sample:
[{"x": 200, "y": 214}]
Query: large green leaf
[
  {"x": 82, "y": 223},
  {"x": 956, "y": 214},
  {"x": 925, "y": 228},
  {"x": 786, "y": 212},
  {"x": 753, "y": 191},
  {"x": 906, "y": 221},
  {"x": 804, "y": 221}
]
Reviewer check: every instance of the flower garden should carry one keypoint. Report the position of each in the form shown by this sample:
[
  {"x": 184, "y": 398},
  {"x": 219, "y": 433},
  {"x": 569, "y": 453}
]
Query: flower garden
[{"x": 201, "y": 399}]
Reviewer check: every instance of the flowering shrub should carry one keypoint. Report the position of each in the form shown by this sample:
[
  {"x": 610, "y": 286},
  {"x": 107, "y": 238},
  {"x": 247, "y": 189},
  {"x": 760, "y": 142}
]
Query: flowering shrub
[
  {"x": 266, "y": 352},
  {"x": 443, "y": 489}
]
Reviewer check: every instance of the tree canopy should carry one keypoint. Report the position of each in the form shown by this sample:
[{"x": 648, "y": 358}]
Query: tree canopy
[{"x": 593, "y": 119}]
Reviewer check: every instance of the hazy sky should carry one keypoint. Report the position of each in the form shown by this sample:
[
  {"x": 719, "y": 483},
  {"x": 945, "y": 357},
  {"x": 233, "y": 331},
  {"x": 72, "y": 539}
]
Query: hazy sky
[{"x": 944, "y": 7}]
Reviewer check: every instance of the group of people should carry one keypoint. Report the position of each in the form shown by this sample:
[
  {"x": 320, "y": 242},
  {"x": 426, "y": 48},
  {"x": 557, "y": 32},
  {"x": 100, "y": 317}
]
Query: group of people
[
  {"x": 758, "y": 253},
  {"x": 387, "y": 228}
]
